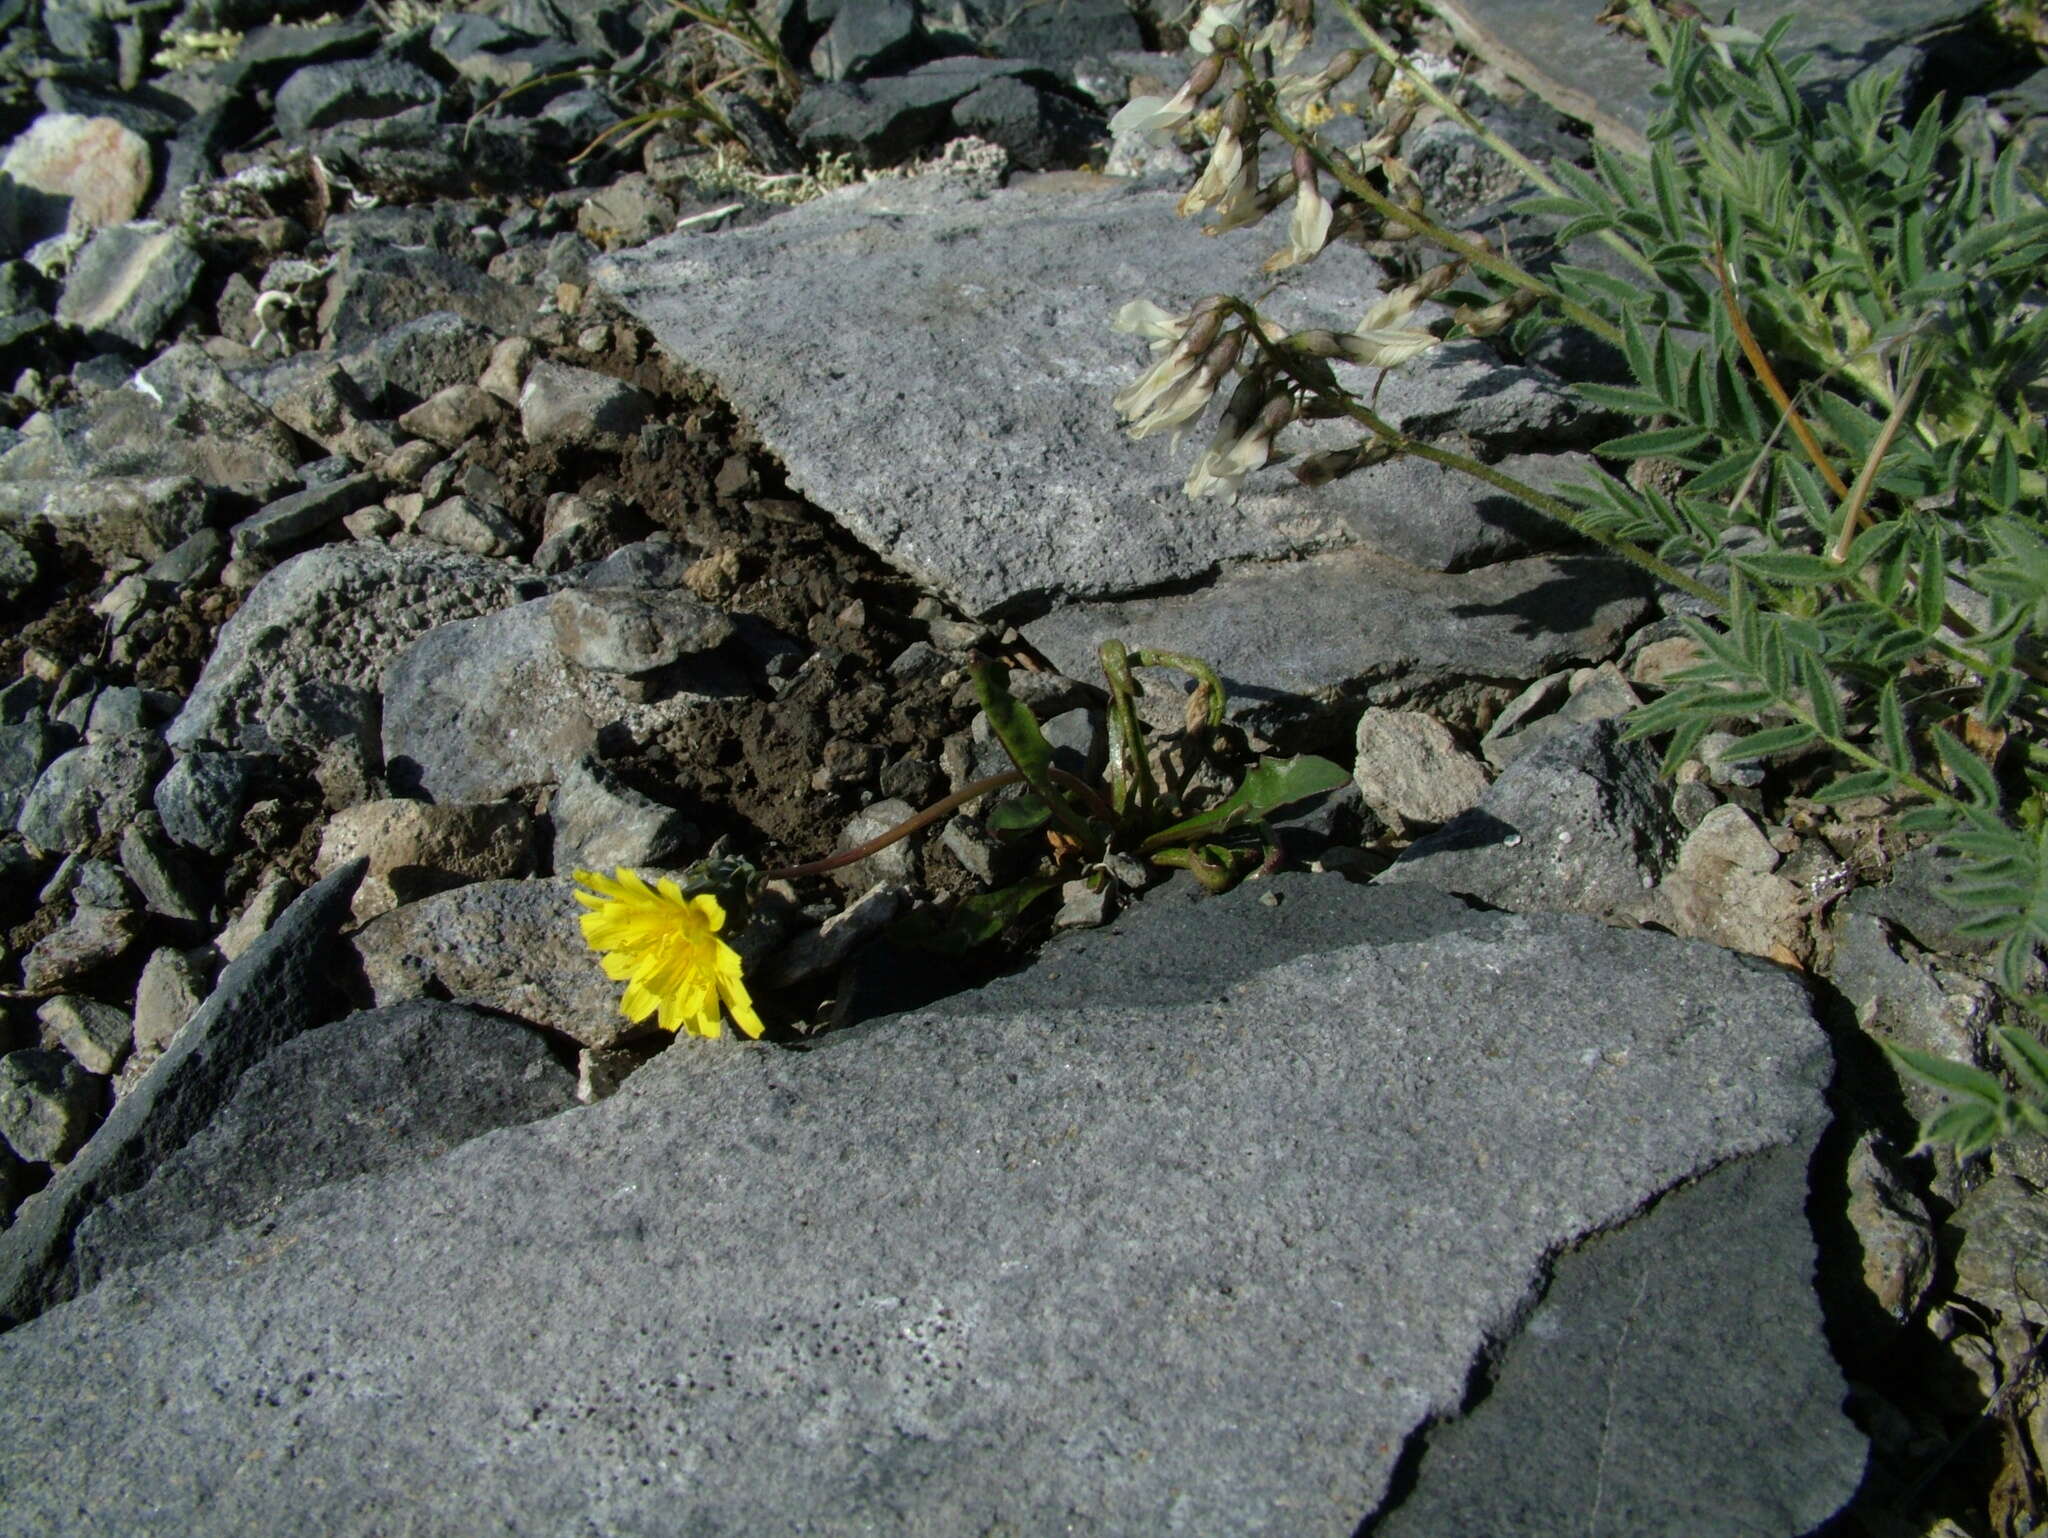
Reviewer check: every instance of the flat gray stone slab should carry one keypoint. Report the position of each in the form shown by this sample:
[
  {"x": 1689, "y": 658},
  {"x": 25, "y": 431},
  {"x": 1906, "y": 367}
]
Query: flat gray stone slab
[
  {"x": 1603, "y": 78},
  {"x": 272, "y": 992},
  {"x": 1605, "y": 1377},
  {"x": 379, "y": 1090},
  {"x": 1188, "y": 1230},
  {"x": 1291, "y": 637},
  {"x": 936, "y": 368}
]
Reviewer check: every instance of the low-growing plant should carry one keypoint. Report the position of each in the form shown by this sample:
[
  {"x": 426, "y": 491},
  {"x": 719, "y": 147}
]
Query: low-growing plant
[
  {"x": 1186, "y": 804},
  {"x": 721, "y": 44},
  {"x": 1834, "y": 327}
]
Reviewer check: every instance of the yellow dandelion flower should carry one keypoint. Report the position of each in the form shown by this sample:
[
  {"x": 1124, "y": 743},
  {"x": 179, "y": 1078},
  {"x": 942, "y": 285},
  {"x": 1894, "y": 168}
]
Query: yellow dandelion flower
[{"x": 665, "y": 948}]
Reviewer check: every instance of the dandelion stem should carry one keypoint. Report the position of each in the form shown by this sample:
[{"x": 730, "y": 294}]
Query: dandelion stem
[{"x": 932, "y": 814}]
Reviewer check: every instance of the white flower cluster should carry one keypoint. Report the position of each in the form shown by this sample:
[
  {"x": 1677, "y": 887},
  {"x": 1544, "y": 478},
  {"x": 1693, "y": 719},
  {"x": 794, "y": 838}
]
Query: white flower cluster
[{"x": 1196, "y": 353}]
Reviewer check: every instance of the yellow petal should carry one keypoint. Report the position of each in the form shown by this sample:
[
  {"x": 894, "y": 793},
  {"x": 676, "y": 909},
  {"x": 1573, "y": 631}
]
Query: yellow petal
[{"x": 733, "y": 989}]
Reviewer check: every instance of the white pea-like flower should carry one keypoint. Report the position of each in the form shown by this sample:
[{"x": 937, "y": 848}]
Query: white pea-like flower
[
  {"x": 1238, "y": 449},
  {"x": 1156, "y": 119},
  {"x": 1224, "y": 170},
  {"x": 1174, "y": 391},
  {"x": 1141, "y": 317},
  {"x": 1308, "y": 231},
  {"x": 1225, "y": 13},
  {"x": 1283, "y": 39},
  {"x": 1385, "y": 346}
]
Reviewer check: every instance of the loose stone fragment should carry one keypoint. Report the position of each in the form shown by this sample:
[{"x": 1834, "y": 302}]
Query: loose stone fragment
[
  {"x": 817, "y": 951},
  {"x": 257, "y": 915},
  {"x": 600, "y": 824},
  {"x": 202, "y": 796},
  {"x": 111, "y": 517},
  {"x": 92, "y": 791},
  {"x": 171, "y": 987},
  {"x": 95, "y": 938},
  {"x": 1723, "y": 889},
  {"x": 890, "y": 864},
  {"x": 323, "y": 94},
  {"x": 623, "y": 630},
  {"x": 166, "y": 883},
  {"x": 453, "y": 945},
  {"x": 464, "y": 523},
  {"x": 1893, "y": 1228},
  {"x": 48, "y": 1104},
  {"x": 2002, "y": 1261},
  {"x": 417, "y": 848},
  {"x": 289, "y": 520},
  {"x": 1411, "y": 770},
  {"x": 505, "y": 374},
  {"x": 129, "y": 282},
  {"x": 1580, "y": 825},
  {"x": 97, "y": 1034},
  {"x": 453, "y": 415},
  {"x": 561, "y": 403},
  {"x": 67, "y": 172}
]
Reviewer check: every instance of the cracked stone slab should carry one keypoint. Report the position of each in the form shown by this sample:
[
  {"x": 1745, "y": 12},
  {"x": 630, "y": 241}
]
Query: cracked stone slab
[
  {"x": 1188, "y": 1228},
  {"x": 1606, "y": 1376},
  {"x": 1292, "y": 639},
  {"x": 935, "y": 369}
]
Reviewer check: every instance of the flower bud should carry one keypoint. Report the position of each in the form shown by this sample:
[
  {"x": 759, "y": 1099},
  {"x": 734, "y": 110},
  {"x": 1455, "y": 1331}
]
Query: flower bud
[
  {"x": 1242, "y": 408},
  {"x": 1202, "y": 80},
  {"x": 1333, "y": 464},
  {"x": 1314, "y": 344},
  {"x": 1273, "y": 416},
  {"x": 1221, "y": 359},
  {"x": 1223, "y": 40}
]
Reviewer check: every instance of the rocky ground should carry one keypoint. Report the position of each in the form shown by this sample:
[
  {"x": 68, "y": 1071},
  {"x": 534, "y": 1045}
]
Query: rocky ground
[{"x": 402, "y": 507}]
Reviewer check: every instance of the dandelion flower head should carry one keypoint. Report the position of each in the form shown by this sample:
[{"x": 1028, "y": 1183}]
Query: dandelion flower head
[{"x": 665, "y": 948}]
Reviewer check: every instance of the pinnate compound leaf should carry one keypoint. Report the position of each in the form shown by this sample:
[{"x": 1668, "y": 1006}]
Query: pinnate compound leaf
[
  {"x": 1873, "y": 544},
  {"x": 1559, "y": 208},
  {"x": 1969, "y": 770},
  {"x": 1949, "y": 1075},
  {"x": 2028, "y": 1058},
  {"x": 1820, "y": 695},
  {"x": 1791, "y": 568},
  {"x": 1620, "y": 398},
  {"x": 1667, "y": 442},
  {"x": 1772, "y": 739},
  {"x": 1931, "y": 599},
  {"x": 2017, "y": 954},
  {"x": 1851, "y": 787},
  {"x": 1968, "y": 1128},
  {"x": 1891, "y": 723}
]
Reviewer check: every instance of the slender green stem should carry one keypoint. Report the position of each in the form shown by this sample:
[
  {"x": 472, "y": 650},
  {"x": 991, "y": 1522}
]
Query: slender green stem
[
  {"x": 1196, "y": 669},
  {"x": 1354, "y": 181},
  {"x": 1429, "y": 91},
  {"x": 1129, "y": 773},
  {"x": 1342, "y": 403}
]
